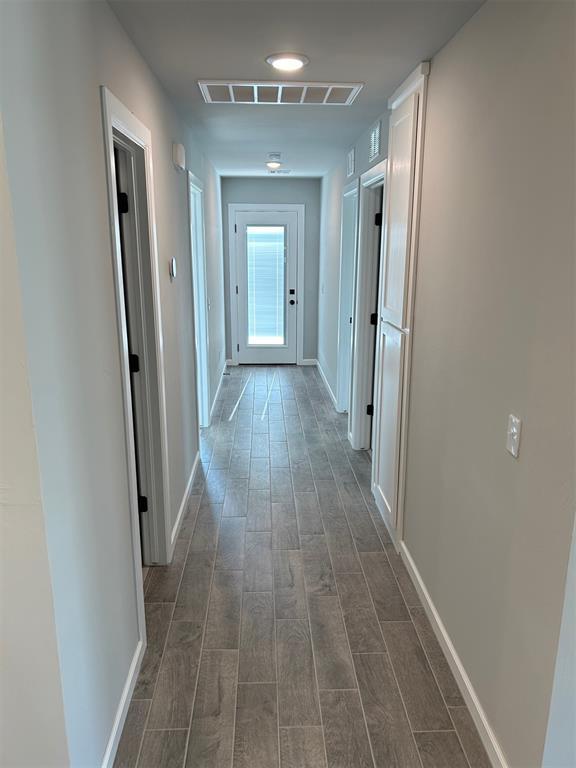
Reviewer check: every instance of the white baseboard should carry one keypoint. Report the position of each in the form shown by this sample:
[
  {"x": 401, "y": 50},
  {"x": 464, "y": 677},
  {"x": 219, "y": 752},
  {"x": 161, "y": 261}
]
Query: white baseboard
[
  {"x": 328, "y": 387},
  {"x": 308, "y": 361},
  {"x": 183, "y": 504},
  {"x": 231, "y": 362},
  {"x": 122, "y": 711},
  {"x": 217, "y": 392},
  {"x": 495, "y": 753}
]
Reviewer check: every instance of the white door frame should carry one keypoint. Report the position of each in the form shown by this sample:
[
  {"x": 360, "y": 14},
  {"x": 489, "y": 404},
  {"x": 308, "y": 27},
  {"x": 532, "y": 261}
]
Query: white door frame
[
  {"x": 117, "y": 118},
  {"x": 416, "y": 83},
  {"x": 200, "y": 294},
  {"x": 365, "y": 297},
  {"x": 344, "y": 358},
  {"x": 233, "y": 209}
]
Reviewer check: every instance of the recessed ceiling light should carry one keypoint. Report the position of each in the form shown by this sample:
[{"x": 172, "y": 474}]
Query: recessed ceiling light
[
  {"x": 273, "y": 165},
  {"x": 287, "y": 62}
]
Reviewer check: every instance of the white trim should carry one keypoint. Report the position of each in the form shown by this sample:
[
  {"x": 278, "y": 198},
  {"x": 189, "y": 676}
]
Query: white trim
[
  {"x": 230, "y": 362},
  {"x": 117, "y": 116},
  {"x": 233, "y": 209},
  {"x": 413, "y": 82},
  {"x": 328, "y": 387},
  {"x": 217, "y": 391},
  {"x": 365, "y": 296},
  {"x": 308, "y": 361},
  {"x": 375, "y": 175},
  {"x": 202, "y": 339},
  {"x": 343, "y": 387},
  {"x": 421, "y": 84},
  {"x": 493, "y": 748},
  {"x": 184, "y": 503},
  {"x": 124, "y": 704}
]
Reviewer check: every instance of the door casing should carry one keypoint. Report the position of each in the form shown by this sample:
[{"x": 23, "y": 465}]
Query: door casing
[
  {"x": 365, "y": 298},
  {"x": 348, "y": 258},
  {"x": 120, "y": 122},
  {"x": 200, "y": 294},
  {"x": 233, "y": 210}
]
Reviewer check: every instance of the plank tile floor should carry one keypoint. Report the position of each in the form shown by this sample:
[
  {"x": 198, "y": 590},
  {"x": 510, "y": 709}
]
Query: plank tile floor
[{"x": 287, "y": 632}]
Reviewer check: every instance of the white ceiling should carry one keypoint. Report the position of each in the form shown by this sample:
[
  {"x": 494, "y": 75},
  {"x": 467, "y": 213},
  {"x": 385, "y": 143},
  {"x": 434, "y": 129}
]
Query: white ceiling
[{"x": 377, "y": 43}]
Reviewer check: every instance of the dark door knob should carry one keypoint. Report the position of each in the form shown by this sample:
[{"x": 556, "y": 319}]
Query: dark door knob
[{"x": 292, "y": 301}]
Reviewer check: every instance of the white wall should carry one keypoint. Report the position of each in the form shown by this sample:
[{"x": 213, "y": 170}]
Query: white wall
[
  {"x": 55, "y": 56},
  {"x": 281, "y": 190},
  {"x": 32, "y": 728},
  {"x": 215, "y": 278},
  {"x": 329, "y": 274},
  {"x": 493, "y": 335}
]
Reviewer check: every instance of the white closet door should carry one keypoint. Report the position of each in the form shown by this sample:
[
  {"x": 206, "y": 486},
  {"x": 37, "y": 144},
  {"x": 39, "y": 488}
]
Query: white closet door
[
  {"x": 387, "y": 434},
  {"x": 396, "y": 299},
  {"x": 399, "y": 195}
]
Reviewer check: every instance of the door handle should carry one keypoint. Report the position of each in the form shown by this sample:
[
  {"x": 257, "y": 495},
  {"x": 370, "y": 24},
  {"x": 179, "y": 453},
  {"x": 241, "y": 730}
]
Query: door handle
[{"x": 292, "y": 301}]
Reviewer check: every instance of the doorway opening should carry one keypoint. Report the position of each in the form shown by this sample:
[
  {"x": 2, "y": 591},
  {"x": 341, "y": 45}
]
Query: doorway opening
[
  {"x": 129, "y": 168},
  {"x": 266, "y": 274},
  {"x": 200, "y": 295},
  {"x": 365, "y": 315},
  {"x": 348, "y": 255}
]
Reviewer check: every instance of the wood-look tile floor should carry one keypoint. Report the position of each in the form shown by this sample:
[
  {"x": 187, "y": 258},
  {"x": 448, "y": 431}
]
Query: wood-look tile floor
[{"x": 287, "y": 632}]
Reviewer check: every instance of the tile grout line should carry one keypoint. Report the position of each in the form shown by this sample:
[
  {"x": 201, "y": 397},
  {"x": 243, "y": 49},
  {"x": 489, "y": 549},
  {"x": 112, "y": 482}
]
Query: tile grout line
[
  {"x": 380, "y": 628},
  {"x": 308, "y": 617},
  {"x": 205, "y": 624},
  {"x": 147, "y": 720},
  {"x": 465, "y": 753},
  {"x": 410, "y": 620},
  {"x": 308, "y": 395},
  {"x": 233, "y": 749},
  {"x": 357, "y": 689}
]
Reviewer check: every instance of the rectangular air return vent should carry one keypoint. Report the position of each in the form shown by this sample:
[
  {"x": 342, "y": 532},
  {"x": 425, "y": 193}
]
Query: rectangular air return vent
[
  {"x": 243, "y": 92},
  {"x": 351, "y": 162},
  {"x": 374, "y": 146}
]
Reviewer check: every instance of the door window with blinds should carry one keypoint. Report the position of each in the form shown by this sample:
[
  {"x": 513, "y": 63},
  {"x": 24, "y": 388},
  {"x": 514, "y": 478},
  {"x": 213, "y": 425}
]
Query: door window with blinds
[
  {"x": 265, "y": 257},
  {"x": 266, "y": 289}
]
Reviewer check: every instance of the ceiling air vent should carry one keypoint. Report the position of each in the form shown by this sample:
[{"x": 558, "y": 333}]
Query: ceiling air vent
[
  {"x": 374, "y": 146},
  {"x": 280, "y": 172},
  {"x": 246, "y": 92}
]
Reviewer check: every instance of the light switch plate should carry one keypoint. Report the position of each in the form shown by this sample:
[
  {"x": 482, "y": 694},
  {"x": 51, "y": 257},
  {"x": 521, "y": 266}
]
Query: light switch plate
[{"x": 513, "y": 435}]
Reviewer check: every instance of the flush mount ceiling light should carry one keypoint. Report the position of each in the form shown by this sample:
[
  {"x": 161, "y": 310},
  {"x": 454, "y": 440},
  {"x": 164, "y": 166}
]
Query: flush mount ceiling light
[
  {"x": 287, "y": 62},
  {"x": 273, "y": 162}
]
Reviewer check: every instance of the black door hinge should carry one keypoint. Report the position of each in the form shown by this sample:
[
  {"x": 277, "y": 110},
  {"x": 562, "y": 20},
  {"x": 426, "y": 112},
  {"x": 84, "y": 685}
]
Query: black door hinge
[
  {"x": 236, "y": 290},
  {"x": 237, "y": 347},
  {"x": 134, "y": 362},
  {"x": 370, "y": 410},
  {"x": 235, "y": 227},
  {"x": 123, "y": 206},
  {"x": 142, "y": 503},
  {"x": 374, "y": 318},
  {"x": 378, "y": 220},
  {"x": 350, "y": 320}
]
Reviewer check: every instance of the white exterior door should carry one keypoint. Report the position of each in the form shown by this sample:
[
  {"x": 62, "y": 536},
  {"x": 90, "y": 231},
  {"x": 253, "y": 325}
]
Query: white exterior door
[{"x": 266, "y": 270}]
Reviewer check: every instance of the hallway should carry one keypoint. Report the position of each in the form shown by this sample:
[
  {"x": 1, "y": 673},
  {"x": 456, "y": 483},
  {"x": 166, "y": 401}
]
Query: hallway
[{"x": 286, "y": 624}]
